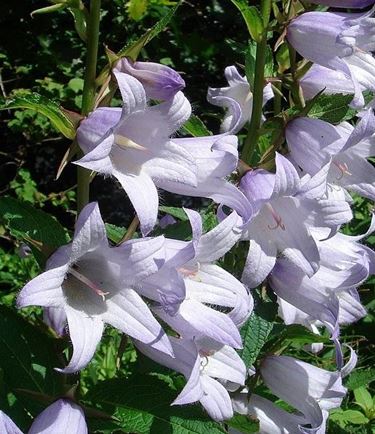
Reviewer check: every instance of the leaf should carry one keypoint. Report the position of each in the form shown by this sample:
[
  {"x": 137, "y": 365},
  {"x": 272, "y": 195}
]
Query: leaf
[
  {"x": 254, "y": 334},
  {"x": 252, "y": 17},
  {"x": 44, "y": 106},
  {"x": 196, "y": 127},
  {"x": 243, "y": 424},
  {"x": 115, "y": 233},
  {"x": 35, "y": 227},
  {"x": 143, "y": 405},
  {"x": 297, "y": 333},
  {"x": 332, "y": 108},
  {"x": 136, "y": 9},
  {"x": 348, "y": 416},
  {"x": 360, "y": 378},
  {"x": 132, "y": 50},
  {"x": 363, "y": 398},
  {"x": 179, "y": 213},
  {"x": 27, "y": 356}
]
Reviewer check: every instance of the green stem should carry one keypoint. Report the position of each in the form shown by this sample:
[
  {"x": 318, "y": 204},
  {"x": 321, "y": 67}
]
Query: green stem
[
  {"x": 88, "y": 96},
  {"x": 295, "y": 88},
  {"x": 260, "y": 60}
]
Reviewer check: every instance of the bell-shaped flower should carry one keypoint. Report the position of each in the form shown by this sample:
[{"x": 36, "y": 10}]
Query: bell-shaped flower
[
  {"x": 60, "y": 417},
  {"x": 189, "y": 286},
  {"x": 313, "y": 142},
  {"x": 352, "y": 4},
  {"x": 285, "y": 207},
  {"x": 211, "y": 370},
  {"x": 159, "y": 81},
  {"x": 348, "y": 40},
  {"x": 134, "y": 146},
  {"x": 55, "y": 317},
  {"x": 307, "y": 388},
  {"x": 240, "y": 91},
  {"x": 94, "y": 284}
]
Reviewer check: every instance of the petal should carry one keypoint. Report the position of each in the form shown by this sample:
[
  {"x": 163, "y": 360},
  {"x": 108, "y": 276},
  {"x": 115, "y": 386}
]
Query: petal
[
  {"x": 7, "y": 426},
  {"x": 144, "y": 197},
  {"x": 45, "y": 289},
  {"x": 89, "y": 232},
  {"x": 365, "y": 128},
  {"x": 55, "y": 317},
  {"x": 258, "y": 185},
  {"x": 129, "y": 313},
  {"x": 287, "y": 181},
  {"x": 63, "y": 417},
  {"x": 350, "y": 308},
  {"x": 132, "y": 92},
  {"x": 216, "y": 400},
  {"x": 85, "y": 333},
  {"x": 259, "y": 262},
  {"x": 219, "y": 240},
  {"x": 98, "y": 159},
  {"x": 193, "y": 390}
]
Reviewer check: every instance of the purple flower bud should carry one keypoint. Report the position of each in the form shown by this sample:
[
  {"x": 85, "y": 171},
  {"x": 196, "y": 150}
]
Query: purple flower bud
[
  {"x": 357, "y": 4},
  {"x": 159, "y": 81}
]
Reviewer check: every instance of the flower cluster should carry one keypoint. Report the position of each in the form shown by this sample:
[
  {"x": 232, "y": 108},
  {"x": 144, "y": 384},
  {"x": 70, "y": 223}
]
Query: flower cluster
[{"x": 179, "y": 307}]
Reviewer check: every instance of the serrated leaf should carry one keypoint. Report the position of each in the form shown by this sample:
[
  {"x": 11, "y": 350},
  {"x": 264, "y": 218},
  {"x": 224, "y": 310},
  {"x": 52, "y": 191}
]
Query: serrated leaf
[
  {"x": 27, "y": 356},
  {"x": 44, "y": 106},
  {"x": 299, "y": 334},
  {"x": 360, "y": 378},
  {"x": 332, "y": 108},
  {"x": 132, "y": 50},
  {"x": 254, "y": 334},
  {"x": 243, "y": 424},
  {"x": 115, "y": 233},
  {"x": 196, "y": 127},
  {"x": 143, "y": 405},
  {"x": 174, "y": 211},
  {"x": 33, "y": 226},
  {"x": 252, "y": 17}
]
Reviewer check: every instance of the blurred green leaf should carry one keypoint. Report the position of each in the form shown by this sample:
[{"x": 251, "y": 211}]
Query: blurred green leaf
[
  {"x": 115, "y": 233},
  {"x": 44, "y": 106},
  {"x": 360, "y": 378},
  {"x": 136, "y": 9},
  {"x": 179, "y": 213},
  {"x": 252, "y": 17},
  {"x": 243, "y": 424},
  {"x": 363, "y": 398},
  {"x": 196, "y": 127},
  {"x": 143, "y": 405}
]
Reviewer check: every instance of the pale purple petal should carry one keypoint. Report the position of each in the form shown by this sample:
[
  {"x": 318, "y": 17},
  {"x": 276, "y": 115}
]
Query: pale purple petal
[
  {"x": 193, "y": 390},
  {"x": 7, "y": 426},
  {"x": 55, "y": 317},
  {"x": 216, "y": 400},
  {"x": 287, "y": 181},
  {"x": 85, "y": 333},
  {"x": 129, "y": 313},
  {"x": 62, "y": 417},
  {"x": 132, "y": 92},
  {"x": 98, "y": 159},
  {"x": 344, "y": 3}
]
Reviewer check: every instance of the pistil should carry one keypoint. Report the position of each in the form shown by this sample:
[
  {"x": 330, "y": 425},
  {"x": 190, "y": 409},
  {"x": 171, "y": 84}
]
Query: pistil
[
  {"x": 276, "y": 217},
  {"x": 126, "y": 143},
  {"x": 344, "y": 170},
  {"x": 88, "y": 283}
]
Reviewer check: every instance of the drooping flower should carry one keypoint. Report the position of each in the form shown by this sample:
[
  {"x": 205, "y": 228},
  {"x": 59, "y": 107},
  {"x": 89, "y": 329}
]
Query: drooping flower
[
  {"x": 211, "y": 371},
  {"x": 240, "y": 91},
  {"x": 284, "y": 209},
  {"x": 348, "y": 40},
  {"x": 159, "y": 81},
  {"x": 94, "y": 284},
  {"x": 190, "y": 290},
  {"x": 313, "y": 142},
  {"x": 134, "y": 146},
  {"x": 63, "y": 416}
]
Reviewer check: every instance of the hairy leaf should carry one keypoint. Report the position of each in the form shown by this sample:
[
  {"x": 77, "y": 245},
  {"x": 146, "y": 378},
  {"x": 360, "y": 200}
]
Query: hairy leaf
[{"x": 196, "y": 127}]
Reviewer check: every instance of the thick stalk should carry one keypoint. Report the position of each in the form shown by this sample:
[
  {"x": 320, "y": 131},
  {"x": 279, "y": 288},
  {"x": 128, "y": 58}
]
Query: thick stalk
[
  {"x": 88, "y": 96},
  {"x": 260, "y": 60}
]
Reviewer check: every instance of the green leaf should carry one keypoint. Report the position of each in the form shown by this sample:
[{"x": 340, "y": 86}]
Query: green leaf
[
  {"x": 332, "y": 108},
  {"x": 254, "y": 334},
  {"x": 136, "y": 9},
  {"x": 363, "y": 398},
  {"x": 143, "y": 405},
  {"x": 252, "y": 17},
  {"x": 174, "y": 211},
  {"x": 132, "y": 50},
  {"x": 115, "y": 233},
  {"x": 243, "y": 424},
  {"x": 344, "y": 417},
  {"x": 35, "y": 227},
  {"x": 44, "y": 106},
  {"x": 360, "y": 378},
  {"x": 297, "y": 333},
  {"x": 196, "y": 127},
  {"x": 27, "y": 356}
]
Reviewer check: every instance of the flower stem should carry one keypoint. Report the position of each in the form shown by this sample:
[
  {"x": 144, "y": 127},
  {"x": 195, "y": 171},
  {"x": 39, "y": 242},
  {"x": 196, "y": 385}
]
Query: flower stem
[
  {"x": 260, "y": 60},
  {"x": 88, "y": 96}
]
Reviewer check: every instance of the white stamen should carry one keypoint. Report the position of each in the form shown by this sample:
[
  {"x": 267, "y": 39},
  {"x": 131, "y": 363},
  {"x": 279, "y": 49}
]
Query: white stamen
[
  {"x": 344, "y": 170},
  {"x": 126, "y": 143},
  {"x": 277, "y": 218},
  {"x": 88, "y": 282}
]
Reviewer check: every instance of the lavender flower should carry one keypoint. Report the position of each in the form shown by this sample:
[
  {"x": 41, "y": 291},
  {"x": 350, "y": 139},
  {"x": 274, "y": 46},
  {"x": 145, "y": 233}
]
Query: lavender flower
[
  {"x": 93, "y": 283},
  {"x": 240, "y": 91},
  {"x": 348, "y": 40},
  {"x": 159, "y": 81},
  {"x": 353, "y": 4}
]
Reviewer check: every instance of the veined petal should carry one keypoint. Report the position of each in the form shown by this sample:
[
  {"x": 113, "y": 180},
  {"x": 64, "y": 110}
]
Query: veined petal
[
  {"x": 63, "y": 417},
  {"x": 132, "y": 92},
  {"x": 216, "y": 400},
  {"x": 350, "y": 307},
  {"x": 287, "y": 181},
  {"x": 316, "y": 186},
  {"x": 129, "y": 313},
  {"x": 258, "y": 185},
  {"x": 193, "y": 390},
  {"x": 144, "y": 197},
  {"x": 55, "y": 317},
  {"x": 364, "y": 129},
  {"x": 44, "y": 290},
  {"x": 85, "y": 333},
  {"x": 98, "y": 159},
  {"x": 7, "y": 426},
  {"x": 89, "y": 232}
]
